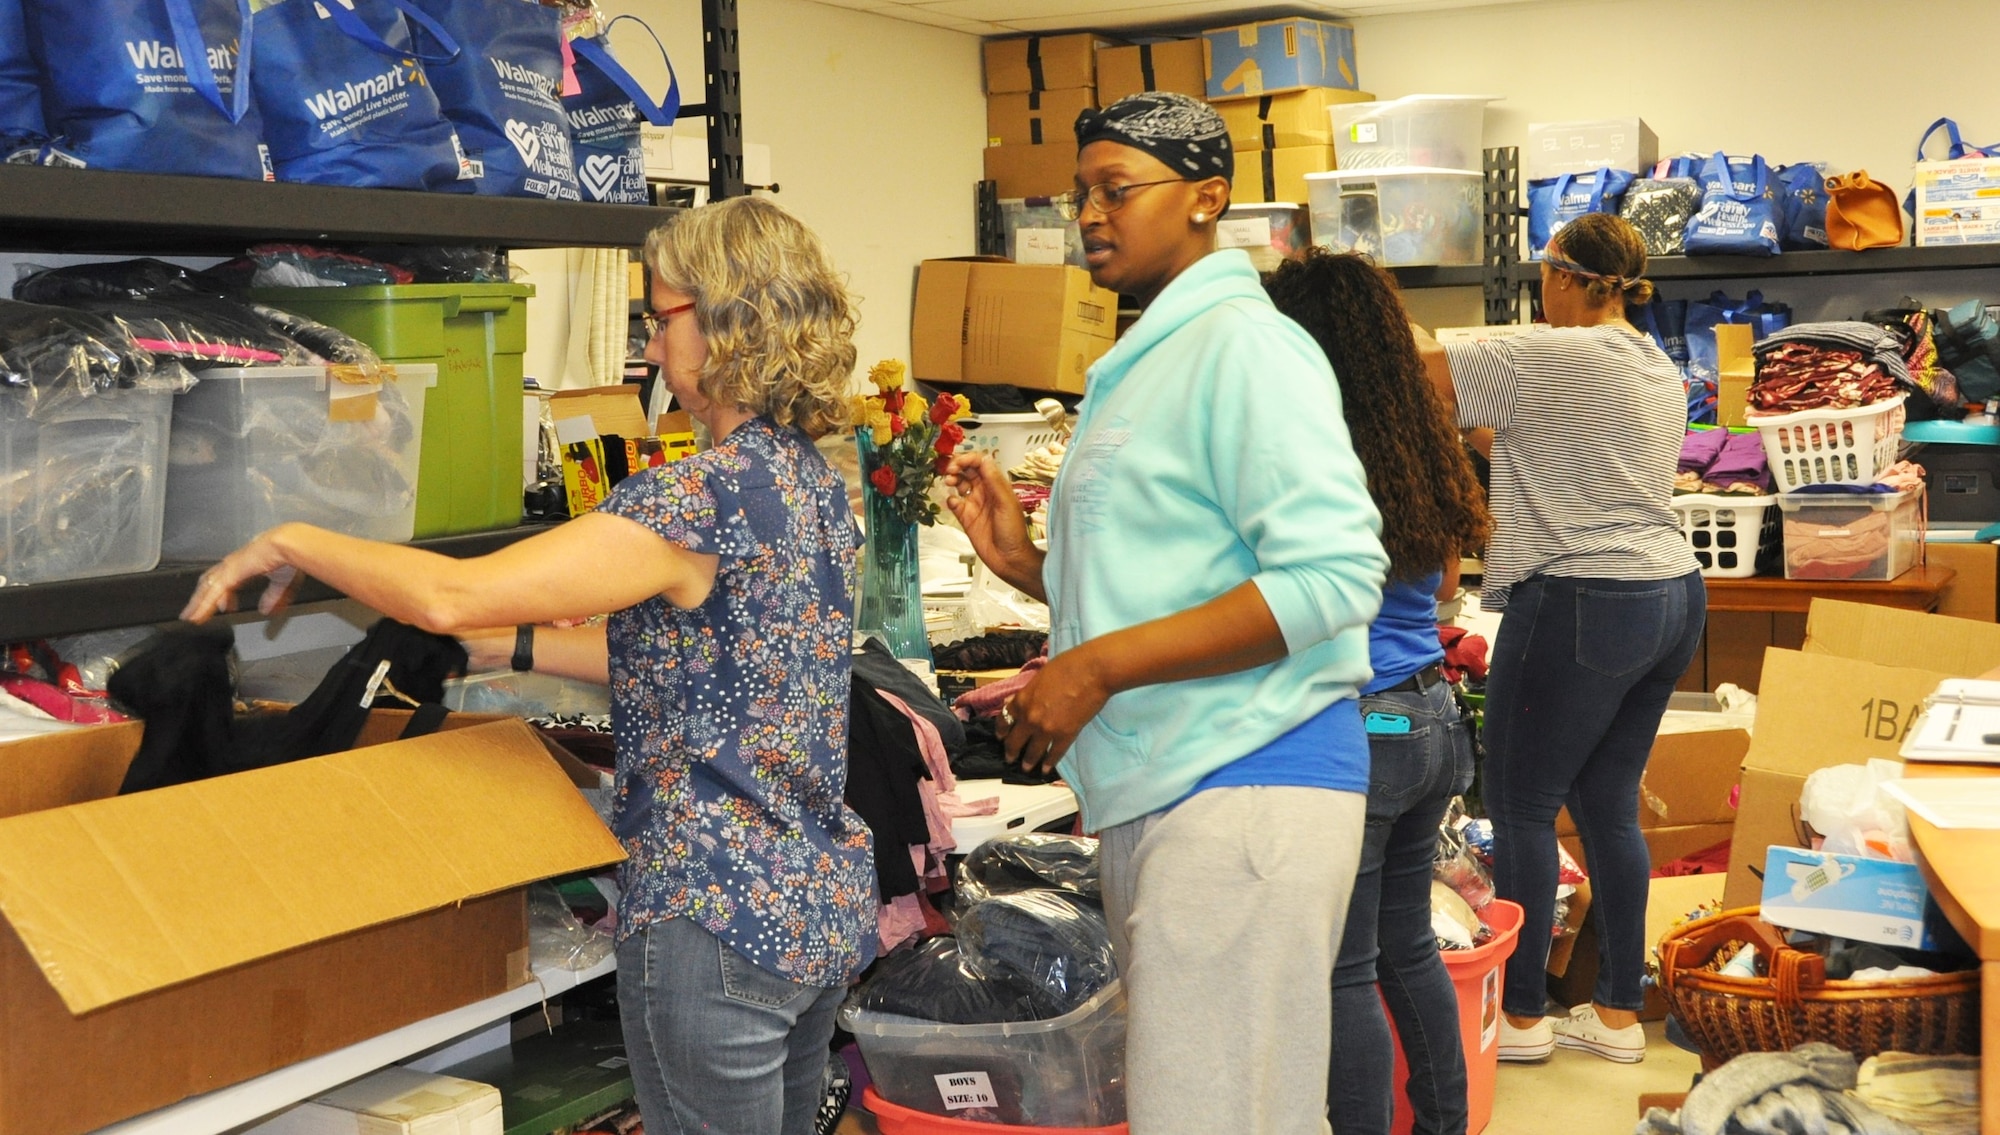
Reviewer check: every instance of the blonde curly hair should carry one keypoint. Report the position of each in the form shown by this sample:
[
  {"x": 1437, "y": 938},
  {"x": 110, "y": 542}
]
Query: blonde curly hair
[{"x": 778, "y": 320}]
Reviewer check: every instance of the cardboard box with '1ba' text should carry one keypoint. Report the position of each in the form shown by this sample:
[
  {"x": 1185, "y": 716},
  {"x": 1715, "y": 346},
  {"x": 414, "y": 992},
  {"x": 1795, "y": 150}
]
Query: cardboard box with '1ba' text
[
  {"x": 985, "y": 320},
  {"x": 1849, "y": 695},
  {"x": 168, "y": 943}
]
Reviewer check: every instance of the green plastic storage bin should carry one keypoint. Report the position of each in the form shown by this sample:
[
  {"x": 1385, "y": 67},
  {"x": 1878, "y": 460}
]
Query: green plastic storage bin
[{"x": 470, "y": 476}]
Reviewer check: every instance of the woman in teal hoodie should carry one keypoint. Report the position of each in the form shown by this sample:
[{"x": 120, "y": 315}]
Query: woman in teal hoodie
[{"x": 1214, "y": 560}]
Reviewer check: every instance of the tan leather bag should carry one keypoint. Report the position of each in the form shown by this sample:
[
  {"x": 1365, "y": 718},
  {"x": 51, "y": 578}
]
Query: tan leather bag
[{"x": 1861, "y": 213}]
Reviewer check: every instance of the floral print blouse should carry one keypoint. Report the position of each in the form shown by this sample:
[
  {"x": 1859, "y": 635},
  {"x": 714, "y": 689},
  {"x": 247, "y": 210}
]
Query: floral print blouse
[{"x": 731, "y": 719}]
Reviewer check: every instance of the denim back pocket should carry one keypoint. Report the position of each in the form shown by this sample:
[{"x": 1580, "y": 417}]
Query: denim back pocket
[{"x": 1620, "y": 632}]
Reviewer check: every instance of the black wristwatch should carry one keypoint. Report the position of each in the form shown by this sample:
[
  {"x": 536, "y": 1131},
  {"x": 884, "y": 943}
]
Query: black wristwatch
[{"x": 524, "y": 647}]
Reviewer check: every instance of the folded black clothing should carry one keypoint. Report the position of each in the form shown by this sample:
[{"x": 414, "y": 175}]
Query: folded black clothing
[
  {"x": 994, "y": 650},
  {"x": 934, "y": 981},
  {"x": 43, "y": 345},
  {"x": 122, "y": 279},
  {"x": 204, "y": 331},
  {"x": 874, "y": 662},
  {"x": 1054, "y": 944},
  {"x": 984, "y": 758},
  {"x": 329, "y": 343},
  {"x": 1030, "y": 861}
]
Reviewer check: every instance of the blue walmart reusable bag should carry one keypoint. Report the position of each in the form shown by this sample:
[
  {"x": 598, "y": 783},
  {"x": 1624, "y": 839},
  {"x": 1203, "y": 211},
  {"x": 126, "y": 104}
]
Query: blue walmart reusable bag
[
  {"x": 1802, "y": 206},
  {"x": 1739, "y": 210},
  {"x": 345, "y": 98},
  {"x": 605, "y": 117},
  {"x": 504, "y": 93},
  {"x": 1556, "y": 201},
  {"x": 152, "y": 86},
  {"x": 21, "y": 125}
]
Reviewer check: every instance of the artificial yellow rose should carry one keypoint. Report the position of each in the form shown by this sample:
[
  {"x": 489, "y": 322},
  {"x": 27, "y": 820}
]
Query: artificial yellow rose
[
  {"x": 914, "y": 408},
  {"x": 964, "y": 407},
  {"x": 888, "y": 374}
]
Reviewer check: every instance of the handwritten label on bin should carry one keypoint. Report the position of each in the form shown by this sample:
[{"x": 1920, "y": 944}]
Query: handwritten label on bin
[{"x": 962, "y": 1090}]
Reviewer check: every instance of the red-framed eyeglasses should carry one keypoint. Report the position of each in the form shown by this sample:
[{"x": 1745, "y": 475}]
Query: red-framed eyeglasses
[{"x": 656, "y": 321}]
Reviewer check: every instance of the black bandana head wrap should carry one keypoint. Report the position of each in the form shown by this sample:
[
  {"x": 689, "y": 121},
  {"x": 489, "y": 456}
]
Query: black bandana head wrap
[{"x": 1184, "y": 133}]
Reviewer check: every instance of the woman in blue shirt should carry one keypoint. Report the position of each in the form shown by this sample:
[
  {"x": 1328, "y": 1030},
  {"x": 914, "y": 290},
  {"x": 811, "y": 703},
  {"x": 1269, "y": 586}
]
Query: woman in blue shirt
[
  {"x": 748, "y": 892},
  {"x": 1212, "y": 567},
  {"x": 1420, "y": 754}
]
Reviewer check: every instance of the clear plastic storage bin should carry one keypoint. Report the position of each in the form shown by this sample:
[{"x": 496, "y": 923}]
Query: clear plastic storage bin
[
  {"x": 259, "y": 446},
  {"x": 1067, "y": 1072},
  {"x": 1271, "y": 232},
  {"x": 1439, "y": 131},
  {"x": 1402, "y": 218},
  {"x": 525, "y": 694},
  {"x": 1038, "y": 234},
  {"x": 1866, "y": 536},
  {"x": 84, "y": 484}
]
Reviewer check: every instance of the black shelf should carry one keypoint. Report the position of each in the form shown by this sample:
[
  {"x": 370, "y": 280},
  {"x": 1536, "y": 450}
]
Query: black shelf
[
  {"x": 46, "y": 209},
  {"x": 1827, "y": 263},
  {"x": 1440, "y": 277},
  {"x": 42, "y": 610}
]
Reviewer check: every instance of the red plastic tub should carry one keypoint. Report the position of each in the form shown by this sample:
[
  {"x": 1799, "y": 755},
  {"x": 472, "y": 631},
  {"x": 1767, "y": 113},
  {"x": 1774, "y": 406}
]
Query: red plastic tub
[
  {"x": 1476, "y": 975},
  {"x": 895, "y": 1120}
]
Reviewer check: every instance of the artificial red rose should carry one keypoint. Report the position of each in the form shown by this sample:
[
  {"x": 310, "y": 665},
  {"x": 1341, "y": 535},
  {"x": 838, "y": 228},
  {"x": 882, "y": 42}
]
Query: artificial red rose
[
  {"x": 942, "y": 464},
  {"x": 896, "y": 426},
  {"x": 943, "y": 409},
  {"x": 893, "y": 401},
  {"x": 944, "y": 446},
  {"x": 949, "y": 435},
  {"x": 884, "y": 480}
]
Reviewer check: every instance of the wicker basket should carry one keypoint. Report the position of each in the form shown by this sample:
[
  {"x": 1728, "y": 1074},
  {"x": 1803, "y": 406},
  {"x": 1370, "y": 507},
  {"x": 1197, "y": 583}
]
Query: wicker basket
[{"x": 1728, "y": 1016}]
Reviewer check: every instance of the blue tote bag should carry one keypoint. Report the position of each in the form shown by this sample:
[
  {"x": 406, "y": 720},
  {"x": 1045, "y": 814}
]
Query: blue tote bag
[
  {"x": 1958, "y": 148},
  {"x": 504, "y": 94},
  {"x": 1739, "y": 210},
  {"x": 345, "y": 99},
  {"x": 1556, "y": 201},
  {"x": 605, "y": 117},
  {"x": 151, "y": 86},
  {"x": 21, "y": 126},
  {"x": 1802, "y": 206}
]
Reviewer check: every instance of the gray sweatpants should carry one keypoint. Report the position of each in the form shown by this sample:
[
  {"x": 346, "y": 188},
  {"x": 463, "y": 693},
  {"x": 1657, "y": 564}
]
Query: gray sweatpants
[{"x": 1226, "y": 912}]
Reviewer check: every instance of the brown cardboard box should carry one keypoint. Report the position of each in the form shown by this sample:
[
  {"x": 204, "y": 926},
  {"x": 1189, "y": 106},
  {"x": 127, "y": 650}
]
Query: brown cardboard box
[
  {"x": 1686, "y": 785},
  {"x": 1278, "y": 175},
  {"x": 637, "y": 280},
  {"x": 1737, "y": 369},
  {"x": 173, "y": 942},
  {"x": 1974, "y": 592},
  {"x": 1032, "y": 171},
  {"x": 1174, "y": 66},
  {"x": 1296, "y": 118},
  {"x": 1041, "y": 63},
  {"x": 1037, "y": 117},
  {"x": 613, "y": 410},
  {"x": 1849, "y": 695},
  {"x": 1036, "y": 326}
]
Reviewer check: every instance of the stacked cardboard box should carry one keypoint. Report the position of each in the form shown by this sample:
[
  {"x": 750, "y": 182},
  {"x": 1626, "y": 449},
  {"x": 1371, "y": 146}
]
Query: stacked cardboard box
[
  {"x": 1172, "y": 66},
  {"x": 984, "y": 320},
  {"x": 1272, "y": 81},
  {"x": 1035, "y": 86}
]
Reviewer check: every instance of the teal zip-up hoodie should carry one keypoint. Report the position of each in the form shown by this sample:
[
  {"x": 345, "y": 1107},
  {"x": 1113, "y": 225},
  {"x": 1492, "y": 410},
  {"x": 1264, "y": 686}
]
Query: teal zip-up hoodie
[{"x": 1210, "y": 450}]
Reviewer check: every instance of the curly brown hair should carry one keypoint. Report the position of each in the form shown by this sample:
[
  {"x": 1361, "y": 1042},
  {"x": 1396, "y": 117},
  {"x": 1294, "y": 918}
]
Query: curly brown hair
[{"x": 1418, "y": 471}]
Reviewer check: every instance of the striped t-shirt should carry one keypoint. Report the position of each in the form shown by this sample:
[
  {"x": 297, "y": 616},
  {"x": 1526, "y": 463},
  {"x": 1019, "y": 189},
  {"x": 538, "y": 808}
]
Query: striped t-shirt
[{"x": 1587, "y": 425}]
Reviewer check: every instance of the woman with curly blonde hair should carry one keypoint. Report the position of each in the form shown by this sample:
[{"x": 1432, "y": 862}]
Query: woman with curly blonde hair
[{"x": 748, "y": 892}]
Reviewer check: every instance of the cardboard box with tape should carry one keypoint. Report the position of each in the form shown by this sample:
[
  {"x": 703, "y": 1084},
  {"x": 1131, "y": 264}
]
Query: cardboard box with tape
[
  {"x": 1042, "y": 63},
  {"x": 1034, "y": 118},
  {"x": 1032, "y": 171},
  {"x": 1173, "y": 66},
  {"x": 1278, "y": 175},
  {"x": 985, "y": 320},
  {"x": 173, "y": 942},
  {"x": 1278, "y": 55},
  {"x": 1737, "y": 369},
  {"x": 1275, "y": 122},
  {"x": 1848, "y": 695}
]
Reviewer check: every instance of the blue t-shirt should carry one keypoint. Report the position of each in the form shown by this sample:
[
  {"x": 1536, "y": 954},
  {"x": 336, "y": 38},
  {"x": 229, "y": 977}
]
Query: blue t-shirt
[
  {"x": 731, "y": 718},
  {"x": 1329, "y": 750},
  {"x": 1403, "y": 639}
]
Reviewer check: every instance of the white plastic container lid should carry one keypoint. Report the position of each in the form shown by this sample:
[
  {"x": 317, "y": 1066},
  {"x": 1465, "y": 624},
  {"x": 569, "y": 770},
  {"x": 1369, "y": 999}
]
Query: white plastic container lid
[{"x": 1389, "y": 171}]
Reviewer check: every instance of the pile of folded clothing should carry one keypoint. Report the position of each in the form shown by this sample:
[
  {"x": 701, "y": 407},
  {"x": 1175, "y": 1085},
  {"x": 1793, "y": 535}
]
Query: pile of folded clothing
[
  {"x": 1827, "y": 366},
  {"x": 1718, "y": 461}
]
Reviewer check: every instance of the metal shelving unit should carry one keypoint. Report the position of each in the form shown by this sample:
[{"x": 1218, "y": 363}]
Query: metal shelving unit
[{"x": 1825, "y": 263}]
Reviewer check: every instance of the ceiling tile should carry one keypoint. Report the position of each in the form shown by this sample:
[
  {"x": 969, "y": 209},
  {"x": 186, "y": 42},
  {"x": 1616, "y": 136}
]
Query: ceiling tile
[
  {"x": 999, "y": 17},
  {"x": 1010, "y": 11},
  {"x": 924, "y": 14},
  {"x": 1124, "y": 15}
]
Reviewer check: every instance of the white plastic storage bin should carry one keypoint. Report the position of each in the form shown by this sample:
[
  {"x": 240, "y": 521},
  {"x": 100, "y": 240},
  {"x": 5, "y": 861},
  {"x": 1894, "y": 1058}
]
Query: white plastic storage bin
[
  {"x": 1067, "y": 1072},
  {"x": 1557, "y": 148},
  {"x": 1038, "y": 234},
  {"x": 1852, "y": 536},
  {"x": 1401, "y": 218},
  {"x": 1008, "y": 437},
  {"x": 1270, "y": 232},
  {"x": 1440, "y": 131},
  {"x": 1733, "y": 536},
  {"x": 84, "y": 484},
  {"x": 259, "y": 446},
  {"x": 525, "y": 694},
  {"x": 1831, "y": 447}
]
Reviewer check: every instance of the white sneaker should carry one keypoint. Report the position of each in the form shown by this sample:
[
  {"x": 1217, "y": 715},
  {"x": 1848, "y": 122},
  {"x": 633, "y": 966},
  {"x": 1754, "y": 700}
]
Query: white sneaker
[
  {"x": 1526, "y": 1046},
  {"x": 1582, "y": 1029}
]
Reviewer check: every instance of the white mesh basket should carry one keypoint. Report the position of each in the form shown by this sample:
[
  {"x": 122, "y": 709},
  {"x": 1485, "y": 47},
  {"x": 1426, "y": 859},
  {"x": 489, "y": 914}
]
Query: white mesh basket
[
  {"x": 1732, "y": 535},
  {"x": 1008, "y": 437},
  {"x": 1831, "y": 447}
]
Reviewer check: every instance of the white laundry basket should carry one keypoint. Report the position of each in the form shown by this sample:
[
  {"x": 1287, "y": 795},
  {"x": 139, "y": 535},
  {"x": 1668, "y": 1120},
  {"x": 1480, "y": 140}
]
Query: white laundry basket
[
  {"x": 1733, "y": 536},
  {"x": 1831, "y": 447}
]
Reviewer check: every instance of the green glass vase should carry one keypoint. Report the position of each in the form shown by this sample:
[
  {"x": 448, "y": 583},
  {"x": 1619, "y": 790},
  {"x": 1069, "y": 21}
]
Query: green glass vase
[{"x": 892, "y": 593}]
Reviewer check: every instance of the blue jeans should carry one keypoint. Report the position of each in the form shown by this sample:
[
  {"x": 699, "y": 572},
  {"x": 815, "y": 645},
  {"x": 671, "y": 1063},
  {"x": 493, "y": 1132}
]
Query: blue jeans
[
  {"x": 1412, "y": 778},
  {"x": 719, "y": 1046},
  {"x": 1582, "y": 669}
]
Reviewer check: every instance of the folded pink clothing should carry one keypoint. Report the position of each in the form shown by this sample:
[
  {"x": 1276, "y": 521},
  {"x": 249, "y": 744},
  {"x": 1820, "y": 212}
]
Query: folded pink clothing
[
  {"x": 929, "y": 858},
  {"x": 954, "y": 807},
  {"x": 987, "y": 700}
]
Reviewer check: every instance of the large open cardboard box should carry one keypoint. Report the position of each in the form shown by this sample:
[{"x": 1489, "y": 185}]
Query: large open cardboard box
[
  {"x": 173, "y": 942},
  {"x": 1850, "y": 694},
  {"x": 1036, "y": 326}
]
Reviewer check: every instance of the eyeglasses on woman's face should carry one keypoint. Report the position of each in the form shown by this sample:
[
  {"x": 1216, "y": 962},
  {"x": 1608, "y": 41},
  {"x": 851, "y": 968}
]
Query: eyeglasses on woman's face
[
  {"x": 1106, "y": 197},
  {"x": 656, "y": 321}
]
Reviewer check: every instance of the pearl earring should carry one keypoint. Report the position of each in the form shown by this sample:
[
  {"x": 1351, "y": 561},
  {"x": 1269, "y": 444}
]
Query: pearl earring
[{"x": 1200, "y": 218}]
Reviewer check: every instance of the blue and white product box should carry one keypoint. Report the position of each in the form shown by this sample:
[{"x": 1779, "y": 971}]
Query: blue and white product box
[
  {"x": 1848, "y": 896},
  {"x": 1957, "y": 202},
  {"x": 1278, "y": 55}
]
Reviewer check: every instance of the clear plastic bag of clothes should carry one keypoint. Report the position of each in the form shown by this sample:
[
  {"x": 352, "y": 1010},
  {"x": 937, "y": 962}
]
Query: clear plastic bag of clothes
[
  {"x": 1053, "y": 944},
  {"x": 1030, "y": 861},
  {"x": 935, "y": 981},
  {"x": 1457, "y": 864},
  {"x": 168, "y": 311},
  {"x": 556, "y": 937},
  {"x": 52, "y": 356}
]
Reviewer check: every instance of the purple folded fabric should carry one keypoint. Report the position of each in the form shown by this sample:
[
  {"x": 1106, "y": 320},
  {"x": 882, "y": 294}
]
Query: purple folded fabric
[
  {"x": 1700, "y": 448},
  {"x": 1741, "y": 462}
]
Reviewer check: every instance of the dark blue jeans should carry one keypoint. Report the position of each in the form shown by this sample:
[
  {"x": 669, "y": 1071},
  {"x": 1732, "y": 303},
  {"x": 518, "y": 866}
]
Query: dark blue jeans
[
  {"x": 1582, "y": 670},
  {"x": 1412, "y": 778}
]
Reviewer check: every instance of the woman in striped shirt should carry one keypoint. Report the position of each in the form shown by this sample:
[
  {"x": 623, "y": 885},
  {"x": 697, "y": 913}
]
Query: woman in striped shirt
[{"x": 1604, "y": 607}]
